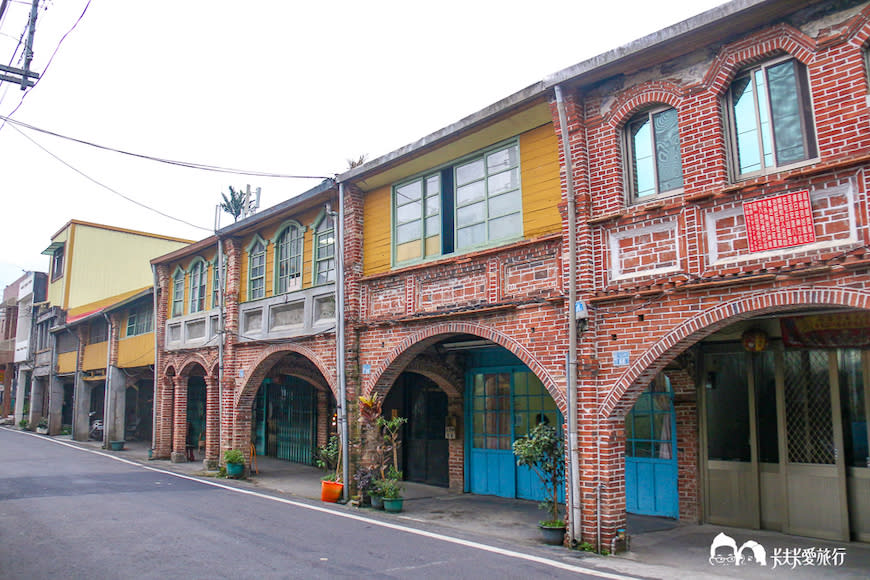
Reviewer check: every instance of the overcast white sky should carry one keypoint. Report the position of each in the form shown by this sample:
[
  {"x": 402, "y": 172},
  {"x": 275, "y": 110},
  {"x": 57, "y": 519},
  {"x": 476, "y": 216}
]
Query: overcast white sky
[{"x": 275, "y": 86}]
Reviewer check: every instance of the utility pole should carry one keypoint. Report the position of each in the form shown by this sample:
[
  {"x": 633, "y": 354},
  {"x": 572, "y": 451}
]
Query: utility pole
[{"x": 23, "y": 77}]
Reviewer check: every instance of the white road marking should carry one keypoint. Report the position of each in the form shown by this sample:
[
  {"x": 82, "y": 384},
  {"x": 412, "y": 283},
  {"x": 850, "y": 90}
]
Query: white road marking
[{"x": 351, "y": 516}]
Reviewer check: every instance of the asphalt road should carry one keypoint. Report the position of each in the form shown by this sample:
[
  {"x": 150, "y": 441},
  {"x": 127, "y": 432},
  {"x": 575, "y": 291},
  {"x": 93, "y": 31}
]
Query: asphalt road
[{"x": 71, "y": 513}]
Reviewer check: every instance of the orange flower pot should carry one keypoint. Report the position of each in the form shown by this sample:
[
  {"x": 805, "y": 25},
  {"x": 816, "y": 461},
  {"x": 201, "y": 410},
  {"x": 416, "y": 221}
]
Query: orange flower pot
[{"x": 330, "y": 491}]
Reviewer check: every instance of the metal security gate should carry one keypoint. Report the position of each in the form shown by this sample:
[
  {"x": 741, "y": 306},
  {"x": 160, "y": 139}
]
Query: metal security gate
[
  {"x": 650, "y": 453},
  {"x": 286, "y": 420}
]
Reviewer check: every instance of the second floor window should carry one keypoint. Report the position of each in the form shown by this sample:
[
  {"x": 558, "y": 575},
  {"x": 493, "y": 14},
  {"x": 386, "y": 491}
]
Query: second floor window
[
  {"x": 289, "y": 259},
  {"x": 139, "y": 320},
  {"x": 472, "y": 203},
  {"x": 178, "y": 293},
  {"x": 98, "y": 331},
  {"x": 653, "y": 146},
  {"x": 215, "y": 289},
  {"x": 257, "y": 271},
  {"x": 57, "y": 263},
  {"x": 771, "y": 117},
  {"x": 324, "y": 251},
  {"x": 197, "y": 286}
]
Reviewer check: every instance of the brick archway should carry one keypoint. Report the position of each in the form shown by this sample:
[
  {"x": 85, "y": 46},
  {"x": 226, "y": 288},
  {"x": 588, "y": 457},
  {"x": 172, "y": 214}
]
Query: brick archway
[
  {"x": 621, "y": 395},
  {"x": 268, "y": 357},
  {"x": 398, "y": 359}
]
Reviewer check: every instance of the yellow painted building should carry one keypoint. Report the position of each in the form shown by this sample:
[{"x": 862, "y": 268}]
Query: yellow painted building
[{"x": 93, "y": 263}]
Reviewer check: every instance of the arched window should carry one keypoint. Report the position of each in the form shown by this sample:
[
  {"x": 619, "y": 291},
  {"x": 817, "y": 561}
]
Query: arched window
[
  {"x": 288, "y": 259},
  {"x": 257, "y": 270},
  {"x": 178, "y": 293},
  {"x": 197, "y": 286},
  {"x": 324, "y": 250},
  {"x": 771, "y": 117},
  {"x": 653, "y": 153}
]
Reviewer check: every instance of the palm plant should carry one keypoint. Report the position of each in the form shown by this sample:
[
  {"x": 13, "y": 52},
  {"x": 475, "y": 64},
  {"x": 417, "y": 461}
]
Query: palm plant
[{"x": 234, "y": 204}]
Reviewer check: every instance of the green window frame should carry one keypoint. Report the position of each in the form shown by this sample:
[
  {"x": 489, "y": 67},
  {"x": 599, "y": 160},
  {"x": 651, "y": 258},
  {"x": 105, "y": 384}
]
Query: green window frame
[
  {"x": 653, "y": 153},
  {"x": 215, "y": 291},
  {"x": 771, "y": 118},
  {"x": 470, "y": 203},
  {"x": 139, "y": 319},
  {"x": 178, "y": 292},
  {"x": 198, "y": 274},
  {"x": 417, "y": 215},
  {"x": 289, "y": 244},
  {"x": 257, "y": 269},
  {"x": 324, "y": 249}
]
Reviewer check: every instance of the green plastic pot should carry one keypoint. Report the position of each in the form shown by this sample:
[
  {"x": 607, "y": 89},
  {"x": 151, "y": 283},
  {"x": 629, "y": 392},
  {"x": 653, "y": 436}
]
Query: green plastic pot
[
  {"x": 393, "y": 504},
  {"x": 235, "y": 469}
]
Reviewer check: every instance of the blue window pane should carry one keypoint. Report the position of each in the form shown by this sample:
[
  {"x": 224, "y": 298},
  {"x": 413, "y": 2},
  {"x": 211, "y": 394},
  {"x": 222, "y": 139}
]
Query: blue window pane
[
  {"x": 786, "y": 113},
  {"x": 642, "y": 163},
  {"x": 746, "y": 126}
]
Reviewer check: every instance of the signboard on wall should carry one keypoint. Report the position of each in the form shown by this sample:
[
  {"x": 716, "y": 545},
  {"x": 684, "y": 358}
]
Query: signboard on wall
[
  {"x": 839, "y": 330},
  {"x": 780, "y": 221}
]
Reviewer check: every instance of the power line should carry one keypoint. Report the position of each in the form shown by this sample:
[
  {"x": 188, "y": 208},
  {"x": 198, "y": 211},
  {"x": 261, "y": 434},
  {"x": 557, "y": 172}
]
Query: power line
[
  {"x": 188, "y": 164},
  {"x": 47, "y": 65},
  {"x": 106, "y": 187}
]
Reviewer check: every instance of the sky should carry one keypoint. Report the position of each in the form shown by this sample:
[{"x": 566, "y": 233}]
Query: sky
[{"x": 270, "y": 86}]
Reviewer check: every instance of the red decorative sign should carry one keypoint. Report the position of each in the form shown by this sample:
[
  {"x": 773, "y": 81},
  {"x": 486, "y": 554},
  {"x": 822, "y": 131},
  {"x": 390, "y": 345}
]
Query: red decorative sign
[{"x": 779, "y": 222}]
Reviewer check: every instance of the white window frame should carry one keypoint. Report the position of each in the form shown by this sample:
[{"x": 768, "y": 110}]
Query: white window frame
[
  {"x": 198, "y": 275},
  {"x": 178, "y": 293},
  {"x": 289, "y": 232},
  {"x": 766, "y": 138},
  {"x": 257, "y": 261},
  {"x": 327, "y": 222},
  {"x": 631, "y": 161}
]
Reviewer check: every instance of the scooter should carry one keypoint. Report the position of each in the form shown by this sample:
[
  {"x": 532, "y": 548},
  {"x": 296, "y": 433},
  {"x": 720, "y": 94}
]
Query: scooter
[{"x": 96, "y": 429}]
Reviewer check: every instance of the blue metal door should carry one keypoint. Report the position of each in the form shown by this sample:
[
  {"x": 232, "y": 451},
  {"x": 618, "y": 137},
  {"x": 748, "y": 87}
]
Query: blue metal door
[
  {"x": 506, "y": 403},
  {"x": 651, "y": 453}
]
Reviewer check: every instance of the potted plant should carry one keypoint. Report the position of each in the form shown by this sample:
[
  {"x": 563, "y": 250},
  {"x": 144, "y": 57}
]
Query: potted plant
[
  {"x": 235, "y": 462},
  {"x": 364, "y": 479},
  {"x": 24, "y": 424},
  {"x": 542, "y": 450},
  {"x": 329, "y": 459},
  {"x": 391, "y": 490},
  {"x": 42, "y": 426}
]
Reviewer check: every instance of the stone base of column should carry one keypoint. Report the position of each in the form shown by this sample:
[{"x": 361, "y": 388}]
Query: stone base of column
[
  {"x": 178, "y": 457},
  {"x": 210, "y": 464}
]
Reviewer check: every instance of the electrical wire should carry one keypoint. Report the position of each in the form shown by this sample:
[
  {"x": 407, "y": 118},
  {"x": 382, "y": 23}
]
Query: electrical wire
[
  {"x": 106, "y": 187},
  {"x": 47, "y": 65},
  {"x": 188, "y": 164}
]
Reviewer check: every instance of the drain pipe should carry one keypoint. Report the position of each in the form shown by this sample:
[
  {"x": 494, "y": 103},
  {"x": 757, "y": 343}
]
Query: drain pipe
[
  {"x": 221, "y": 338},
  {"x": 339, "y": 346},
  {"x": 156, "y": 373},
  {"x": 571, "y": 388}
]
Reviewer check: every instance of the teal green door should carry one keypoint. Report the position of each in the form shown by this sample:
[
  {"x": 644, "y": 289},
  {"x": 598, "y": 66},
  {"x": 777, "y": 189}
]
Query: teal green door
[
  {"x": 506, "y": 403},
  {"x": 286, "y": 416},
  {"x": 651, "y": 453}
]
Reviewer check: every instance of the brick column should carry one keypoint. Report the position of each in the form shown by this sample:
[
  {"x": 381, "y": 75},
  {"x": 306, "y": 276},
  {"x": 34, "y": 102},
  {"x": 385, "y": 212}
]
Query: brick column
[
  {"x": 164, "y": 399},
  {"x": 212, "y": 423},
  {"x": 179, "y": 427}
]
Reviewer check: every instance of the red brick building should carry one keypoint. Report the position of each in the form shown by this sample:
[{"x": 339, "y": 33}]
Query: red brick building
[{"x": 694, "y": 203}]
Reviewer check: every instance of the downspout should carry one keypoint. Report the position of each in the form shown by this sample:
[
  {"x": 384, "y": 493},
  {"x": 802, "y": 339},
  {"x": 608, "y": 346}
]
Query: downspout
[
  {"x": 571, "y": 387},
  {"x": 339, "y": 347},
  {"x": 156, "y": 361},
  {"x": 107, "y": 398},
  {"x": 221, "y": 338}
]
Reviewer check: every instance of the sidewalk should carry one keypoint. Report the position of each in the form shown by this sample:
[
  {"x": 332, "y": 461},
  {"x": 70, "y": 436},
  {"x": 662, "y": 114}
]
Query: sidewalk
[{"x": 660, "y": 548}]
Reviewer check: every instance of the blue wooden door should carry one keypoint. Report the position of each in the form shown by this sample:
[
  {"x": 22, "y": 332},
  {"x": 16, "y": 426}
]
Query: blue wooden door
[
  {"x": 506, "y": 403},
  {"x": 651, "y": 453}
]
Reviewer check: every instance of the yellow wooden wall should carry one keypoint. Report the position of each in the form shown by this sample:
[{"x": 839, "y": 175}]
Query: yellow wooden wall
[
  {"x": 66, "y": 362},
  {"x": 542, "y": 185},
  {"x": 95, "y": 356},
  {"x": 542, "y": 193},
  {"x": 136, "y": 351}
]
